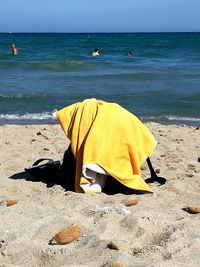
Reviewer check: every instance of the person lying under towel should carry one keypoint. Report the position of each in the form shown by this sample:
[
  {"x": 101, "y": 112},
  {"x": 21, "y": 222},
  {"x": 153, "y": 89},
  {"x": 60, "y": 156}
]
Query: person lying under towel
[{"x": 106, "y": 141}]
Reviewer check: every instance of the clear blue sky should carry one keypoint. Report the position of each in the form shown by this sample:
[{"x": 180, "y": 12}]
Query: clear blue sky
[{"x": 99, "y": 16}]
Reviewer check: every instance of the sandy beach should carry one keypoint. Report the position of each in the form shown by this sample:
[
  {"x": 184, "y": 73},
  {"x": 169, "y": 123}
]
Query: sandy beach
[{"x": 155, "y": 232}]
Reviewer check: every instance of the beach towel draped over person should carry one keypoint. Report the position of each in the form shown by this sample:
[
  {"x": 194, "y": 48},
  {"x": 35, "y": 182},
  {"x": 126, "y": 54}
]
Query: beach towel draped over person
[{"x": 107, "y": 139}]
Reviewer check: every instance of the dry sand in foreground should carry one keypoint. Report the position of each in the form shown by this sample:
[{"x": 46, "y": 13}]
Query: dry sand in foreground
[{"x": 154, "y": 232}]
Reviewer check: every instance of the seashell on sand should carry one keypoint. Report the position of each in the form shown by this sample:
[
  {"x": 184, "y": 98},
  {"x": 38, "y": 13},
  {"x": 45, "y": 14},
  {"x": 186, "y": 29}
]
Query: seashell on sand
[
  {"x": 66, "y": 235},
  {"x": 114, "y": 244},
  {"x": 131, "y": 202},
  {"x": 10, "y": 202},
  {"x": 192, "y": 210}
]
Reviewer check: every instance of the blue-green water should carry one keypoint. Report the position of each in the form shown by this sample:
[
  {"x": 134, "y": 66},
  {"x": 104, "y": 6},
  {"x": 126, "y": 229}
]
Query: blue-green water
[{"x": 159, "y": 82}]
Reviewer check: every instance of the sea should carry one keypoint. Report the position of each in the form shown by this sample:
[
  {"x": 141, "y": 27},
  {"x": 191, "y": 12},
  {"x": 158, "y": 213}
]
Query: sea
[{"x": 159, "y": 82}]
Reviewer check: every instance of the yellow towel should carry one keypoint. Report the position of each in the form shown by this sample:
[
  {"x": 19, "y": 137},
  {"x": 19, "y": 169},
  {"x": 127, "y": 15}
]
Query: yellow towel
[{"x": 110, "y": 136}]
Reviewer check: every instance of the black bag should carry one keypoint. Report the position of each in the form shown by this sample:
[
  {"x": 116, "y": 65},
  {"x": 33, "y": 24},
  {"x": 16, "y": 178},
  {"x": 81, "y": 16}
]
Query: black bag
[
  {"x": 54, "y": 171},
  {"x": 47, "y": 171}
]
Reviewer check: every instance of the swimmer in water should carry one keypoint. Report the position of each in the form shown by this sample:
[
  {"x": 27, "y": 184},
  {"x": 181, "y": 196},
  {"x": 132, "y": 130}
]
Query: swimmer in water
[
  {"x": 95, "y": 52},
  {"x": 14, "y": 49}
]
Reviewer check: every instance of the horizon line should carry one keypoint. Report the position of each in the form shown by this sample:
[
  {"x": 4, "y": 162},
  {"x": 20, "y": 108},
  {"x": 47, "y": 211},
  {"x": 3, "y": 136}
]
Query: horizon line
[{"x": 110, "y": 32}]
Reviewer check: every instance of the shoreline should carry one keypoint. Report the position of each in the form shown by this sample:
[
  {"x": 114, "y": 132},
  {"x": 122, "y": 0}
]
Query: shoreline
[
  {"x": 155, "y": 232},
  {"x": 191, "y": 122}
]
